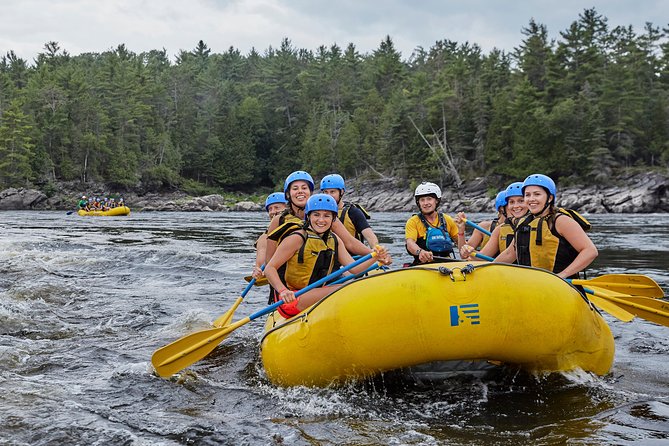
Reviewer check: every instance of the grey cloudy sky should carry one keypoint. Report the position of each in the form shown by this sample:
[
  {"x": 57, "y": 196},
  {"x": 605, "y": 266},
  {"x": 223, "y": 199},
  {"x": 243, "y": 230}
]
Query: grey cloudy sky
[{"x": 96, "y": 26}]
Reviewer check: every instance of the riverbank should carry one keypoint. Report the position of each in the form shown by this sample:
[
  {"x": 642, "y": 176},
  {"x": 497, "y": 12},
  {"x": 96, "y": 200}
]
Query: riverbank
[{"x": 646, "y": 192}]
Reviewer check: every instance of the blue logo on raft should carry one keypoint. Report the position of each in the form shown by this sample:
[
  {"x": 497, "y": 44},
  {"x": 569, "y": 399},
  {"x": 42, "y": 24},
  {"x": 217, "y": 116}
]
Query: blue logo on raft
[{"x": 468, "y": 311}]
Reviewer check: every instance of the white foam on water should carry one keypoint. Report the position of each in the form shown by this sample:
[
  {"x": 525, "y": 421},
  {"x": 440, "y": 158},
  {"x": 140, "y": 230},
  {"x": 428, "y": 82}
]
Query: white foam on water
[{"x": 580, "y": 377}]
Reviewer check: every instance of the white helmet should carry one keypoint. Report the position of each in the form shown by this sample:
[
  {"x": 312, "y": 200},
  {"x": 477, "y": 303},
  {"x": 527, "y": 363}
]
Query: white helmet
[{"x": 426, "y": 188}]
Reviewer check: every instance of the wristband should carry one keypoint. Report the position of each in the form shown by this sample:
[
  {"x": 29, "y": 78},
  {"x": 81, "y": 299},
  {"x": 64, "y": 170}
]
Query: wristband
[
  {"x": 418, "y": 251},
  {"x": 461, "y": 233}
]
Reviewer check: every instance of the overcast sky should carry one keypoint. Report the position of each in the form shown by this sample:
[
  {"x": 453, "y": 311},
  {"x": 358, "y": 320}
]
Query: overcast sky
[{"x": 96, "y": 26}]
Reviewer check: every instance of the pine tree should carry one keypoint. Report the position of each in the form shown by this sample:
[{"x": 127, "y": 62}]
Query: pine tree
[{"x": 16, "y": 147}]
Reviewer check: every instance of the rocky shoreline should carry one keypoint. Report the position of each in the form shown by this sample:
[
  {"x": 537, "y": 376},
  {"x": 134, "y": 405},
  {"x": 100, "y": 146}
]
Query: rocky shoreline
[{"x": 637, "y": 193}]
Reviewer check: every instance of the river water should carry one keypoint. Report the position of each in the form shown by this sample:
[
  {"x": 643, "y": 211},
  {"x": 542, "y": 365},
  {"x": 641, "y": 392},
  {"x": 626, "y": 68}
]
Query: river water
[{"x": 85, "y": 301}]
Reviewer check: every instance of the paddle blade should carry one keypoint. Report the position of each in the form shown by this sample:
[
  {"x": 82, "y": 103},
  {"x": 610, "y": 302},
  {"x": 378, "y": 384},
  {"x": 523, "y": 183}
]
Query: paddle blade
[
  {"x": 644, "y": 312},
  {"x": 639, "y": 307},
  {"x": 655, "y": 304},
  {"x": 636, "y": 284},
  {"x": 259, "y": 282},
  {"x": 188, "y": 350},
  {"x": 611, "y": 308}
]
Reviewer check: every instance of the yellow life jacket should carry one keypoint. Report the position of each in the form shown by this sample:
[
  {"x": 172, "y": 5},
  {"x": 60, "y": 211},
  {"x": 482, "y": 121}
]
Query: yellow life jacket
[
  {"x": 538, "y": 243},
  {"x": 314, "y": 260},
  {"x": 288, "y": 222},
  {"x": 506, "y": 233},
  {"x": 348, "y": 223},
  {"x": 287, "y": 215},
  {"x": 581, "y": 220},
  {"x": 285, "y": 229},
  {"x": 486, "y": 237}
]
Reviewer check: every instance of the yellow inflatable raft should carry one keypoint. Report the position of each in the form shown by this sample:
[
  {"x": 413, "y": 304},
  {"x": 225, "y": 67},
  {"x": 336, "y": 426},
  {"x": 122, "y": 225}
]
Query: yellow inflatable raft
[
  {"x": 113, "y": 212},
  {"x": 451, "y": 311}
]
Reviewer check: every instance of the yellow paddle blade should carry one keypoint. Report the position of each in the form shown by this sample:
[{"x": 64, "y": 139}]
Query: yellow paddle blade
[
  {"x": 611, "y": 308},
  {"x": 226, "y": 318},
  {"x": 188, "y": 350},
  {"x": 636, "y": 284},
  {"x": 657, "y": 304},
  {"x": 642, "y": 310},
  {"x": 259, "y": 282}
]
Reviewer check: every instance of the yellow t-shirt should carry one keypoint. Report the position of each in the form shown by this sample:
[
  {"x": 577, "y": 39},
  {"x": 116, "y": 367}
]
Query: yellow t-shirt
[{"x": 415, "y": 229}]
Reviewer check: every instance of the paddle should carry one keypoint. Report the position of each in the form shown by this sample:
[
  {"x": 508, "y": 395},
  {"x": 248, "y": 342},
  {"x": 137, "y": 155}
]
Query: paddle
[
  {"x": 657, "y": 304},
  {"x": 260, "y": 282},
  {"x": 475, "y": 226},
  {"x": 185, "y": 351},
  {"x": 226, "y": 318},
  {"x": 355, "y": 276},
  {"x": 614, "y": 310},
  {"x": 482, "y": 256},
  {"x": 263, "y": 280},
  {"x": 643, "y": 311},
  {"x": 444, "y": 259},
  {"x": 636, "y": 284},
  {"x": 597, "y": 296},
  {"x": 70, "y": 212}
]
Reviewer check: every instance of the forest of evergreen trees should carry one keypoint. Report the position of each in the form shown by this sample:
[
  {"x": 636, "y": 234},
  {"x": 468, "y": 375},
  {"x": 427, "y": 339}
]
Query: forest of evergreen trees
[{"x": 577, "y": 108}]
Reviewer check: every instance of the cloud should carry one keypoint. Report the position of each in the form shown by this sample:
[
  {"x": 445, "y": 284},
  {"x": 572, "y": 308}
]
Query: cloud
[{"x": 91, "y": 26}]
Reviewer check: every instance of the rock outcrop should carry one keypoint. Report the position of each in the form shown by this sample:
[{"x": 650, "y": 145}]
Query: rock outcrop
[
  {"x": 638, "y": 193},
  {"x": 21, "y": 199},
  {"x": 641, "y": 193}
]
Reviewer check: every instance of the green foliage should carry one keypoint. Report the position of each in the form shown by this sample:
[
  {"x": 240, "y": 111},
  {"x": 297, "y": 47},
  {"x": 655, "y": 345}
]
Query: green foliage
[
  {"x": 195, "y": 188},
  {"x": 50, "y": 189},
  {"x": 160, "y": 177},
  {"x": 16, "y": 147},
  {"x": 588, "y": 102}
]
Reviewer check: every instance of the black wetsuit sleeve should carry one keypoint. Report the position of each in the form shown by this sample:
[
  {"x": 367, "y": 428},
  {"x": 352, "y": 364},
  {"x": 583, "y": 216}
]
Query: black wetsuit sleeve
[{"x": 358, "y": 218}]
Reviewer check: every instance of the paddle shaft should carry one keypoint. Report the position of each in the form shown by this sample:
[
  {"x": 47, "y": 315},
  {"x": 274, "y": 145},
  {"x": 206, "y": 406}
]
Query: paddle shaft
[
  {"x": 483, "y": 256},
  {"x": 355, "y": 276},
  {"x": 226, "y": 317},
  {"x": 316, "y": 284},
  {"x": 443, "y": 259},
  {"x": 250, "y": 285},
  {"x": 475, "y": 226}
]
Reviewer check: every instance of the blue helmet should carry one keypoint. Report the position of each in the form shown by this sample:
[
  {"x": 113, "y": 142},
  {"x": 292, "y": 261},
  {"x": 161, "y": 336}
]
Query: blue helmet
[
  {"x": 500, "y": 200},
  {"x": 333, "y": 181},
  {"x": 320, "y": 202},
  {"x": 514, "y": 190},
  {"x": 273, "y": 198},
  {"x": 297, "y": 176},
  {"x": 538, "y": 179}
]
